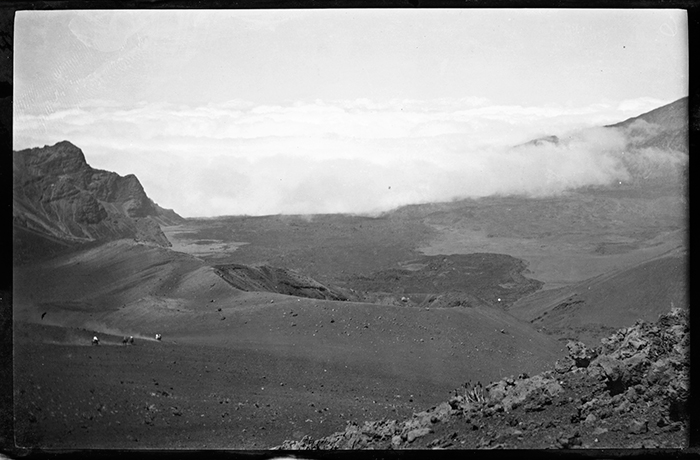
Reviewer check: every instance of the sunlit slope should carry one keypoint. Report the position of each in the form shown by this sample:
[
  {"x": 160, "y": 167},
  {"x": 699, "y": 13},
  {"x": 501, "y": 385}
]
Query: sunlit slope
[
  {"x": 122, "y": 287},
  {"x": 445, "y": 346},
  {"x": 616, "y": 299},
  {"x": 106, "y": 277}
]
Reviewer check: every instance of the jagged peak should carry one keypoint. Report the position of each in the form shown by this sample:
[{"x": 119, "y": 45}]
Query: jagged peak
[
  {"x": 64, "y": 143},
  {"x": 60, "y": 158},
  {"x": 96, "y": 204}
]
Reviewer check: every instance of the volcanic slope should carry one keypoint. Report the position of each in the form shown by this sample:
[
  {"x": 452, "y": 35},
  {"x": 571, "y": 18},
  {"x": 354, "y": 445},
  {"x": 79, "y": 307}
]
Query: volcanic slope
[
  {"x": 663, "y": 128},
  {"x": 589, "y": 310},
  {"x": 252, "y": 368},
  {"x": 241, "y": 369},
  {"x": 276, "y": 279},
  {"x": 58, "y": 196},
  {"x": 630, "y": 392}
]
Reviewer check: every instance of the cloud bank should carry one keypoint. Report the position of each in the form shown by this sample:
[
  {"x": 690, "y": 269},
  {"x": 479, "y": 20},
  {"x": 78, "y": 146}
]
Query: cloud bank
[{"x": 354, "y": 156}]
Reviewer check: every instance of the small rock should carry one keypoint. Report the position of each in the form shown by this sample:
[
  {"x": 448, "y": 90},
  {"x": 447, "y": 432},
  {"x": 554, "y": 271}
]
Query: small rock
[
  {"x": 599, "y": 430},
  {"x": 638, "y": 427},
  {"x": 417, "y": 433},
  {"x": 567, "y": 442},
  {"x": 591, "y": 419},
  {"x": 580, "y": 354},
  {"x": 623, "y": 407},
  {"x": 396, "y": 441},
  {"x": 563, "y": 366}
]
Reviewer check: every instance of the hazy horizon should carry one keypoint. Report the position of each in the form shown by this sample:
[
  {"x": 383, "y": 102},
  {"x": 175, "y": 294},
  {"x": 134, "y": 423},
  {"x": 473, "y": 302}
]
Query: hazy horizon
[{"x": 230, "y": 112}]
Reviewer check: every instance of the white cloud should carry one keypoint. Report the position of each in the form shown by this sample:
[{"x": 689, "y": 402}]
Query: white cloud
[
  {"x": 634, "y": 107},
  {"x": 340, "y": 156}
]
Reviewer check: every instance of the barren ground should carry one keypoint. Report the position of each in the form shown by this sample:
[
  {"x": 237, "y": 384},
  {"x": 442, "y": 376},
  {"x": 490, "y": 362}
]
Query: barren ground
[{"x": 250, "y": 369}]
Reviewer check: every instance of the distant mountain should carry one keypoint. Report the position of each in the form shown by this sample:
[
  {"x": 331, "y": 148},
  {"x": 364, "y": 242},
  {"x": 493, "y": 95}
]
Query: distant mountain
[
  {"x": 553, "y": 140},
  {"x": 655, "y": 148},
  {"x": 664, "y": 128},
  {"x": 58, "y": 200}
]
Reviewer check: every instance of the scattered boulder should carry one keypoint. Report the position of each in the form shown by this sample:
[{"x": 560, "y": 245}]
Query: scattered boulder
[
  {"x": 638, "y": 427},
  {"x": 564, "y": 365},
  {"x": 638, "y": 374},
  {"x": 580, "y": 354},
  {"x": 417, "y": 433}
]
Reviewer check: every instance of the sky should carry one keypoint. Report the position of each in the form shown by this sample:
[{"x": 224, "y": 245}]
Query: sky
[{"x": 258, "y": 112}]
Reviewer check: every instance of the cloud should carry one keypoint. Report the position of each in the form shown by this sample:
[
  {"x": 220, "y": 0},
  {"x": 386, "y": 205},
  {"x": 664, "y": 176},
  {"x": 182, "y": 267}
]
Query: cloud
[
  {"x": 354, "y": 156},
  {"x": 640, "y": 105}
]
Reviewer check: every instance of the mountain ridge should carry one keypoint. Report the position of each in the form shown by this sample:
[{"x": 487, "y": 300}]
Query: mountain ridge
[
  {"x": 57, "y": 195},
  {"x": 665, "y": 127}
]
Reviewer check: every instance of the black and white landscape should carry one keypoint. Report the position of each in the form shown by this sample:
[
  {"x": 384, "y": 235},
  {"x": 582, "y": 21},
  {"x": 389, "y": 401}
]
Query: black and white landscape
[{"x": 351, "y": 229}]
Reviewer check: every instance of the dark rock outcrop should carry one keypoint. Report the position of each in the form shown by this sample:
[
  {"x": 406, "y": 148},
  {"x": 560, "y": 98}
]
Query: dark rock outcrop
[
  {"x": 454, "y": 280},
  {"x": 56, "y": 194},
  {"x": 276, "y": 279},
  {"x": 630, "y": 392}
]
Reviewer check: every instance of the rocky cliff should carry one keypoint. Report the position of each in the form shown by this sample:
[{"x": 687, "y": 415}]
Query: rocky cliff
[{"x": 57, "y": 196}]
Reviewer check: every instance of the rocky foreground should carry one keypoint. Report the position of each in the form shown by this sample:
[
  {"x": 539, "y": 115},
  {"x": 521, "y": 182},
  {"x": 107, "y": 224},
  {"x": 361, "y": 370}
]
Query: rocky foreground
[{"x": 629, "y": 392}]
